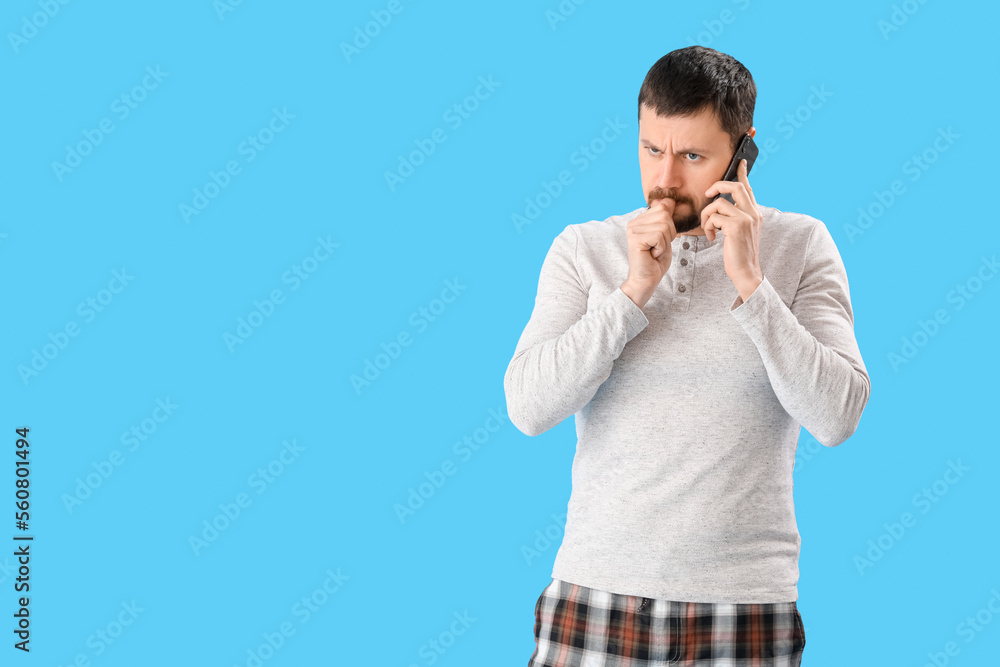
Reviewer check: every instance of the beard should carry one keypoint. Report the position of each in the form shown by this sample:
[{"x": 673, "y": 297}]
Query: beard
[{"x": 684, "y": 223}]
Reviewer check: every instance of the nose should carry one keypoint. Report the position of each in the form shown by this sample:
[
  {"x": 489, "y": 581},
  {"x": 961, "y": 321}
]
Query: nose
[{"x": 668, "y": 174}]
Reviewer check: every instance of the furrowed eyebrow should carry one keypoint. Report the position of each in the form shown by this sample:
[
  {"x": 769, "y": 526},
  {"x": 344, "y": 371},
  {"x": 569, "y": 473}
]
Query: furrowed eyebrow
[{"x": 682, "y": 151}]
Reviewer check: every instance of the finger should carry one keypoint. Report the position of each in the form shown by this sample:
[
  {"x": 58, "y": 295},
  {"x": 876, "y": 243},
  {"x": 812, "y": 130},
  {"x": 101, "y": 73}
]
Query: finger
[
  {"x": 666, "y": 238},
  {"x": 709, "y": 229},
  {"x": 646, "y": 230},
  {"x": 715, "y": 216},
  {"x": 663, "y": 202},
  {"x": 647, "y": 241},
  {"x": 656, "y": 222},
  {"x": 744, "y": 178},
  {"x": 721, "y": 207},
  {"x": 656, "y": 241},
  {"x": 657, "y": 249},
  {"x": 711, "y": 208},
  {"x": 659, "y": 207},
  {"x": 671, "y": 232},
  {"x": 742, "y": 175},
  {"x": 714, "y": 225},
  {"x": 653, "y": 221},
  {"x": 738, "y": 189},
  {"x": 644, "y": 240},
  {"x": 735, "y": 189},
  {"x": 707, "y": 213}
]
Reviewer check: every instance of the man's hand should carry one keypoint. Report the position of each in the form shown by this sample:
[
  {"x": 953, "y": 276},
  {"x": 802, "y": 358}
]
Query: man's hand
[
  {"x": 649, "y": 252},
  {"x": 741, "y": 223}
]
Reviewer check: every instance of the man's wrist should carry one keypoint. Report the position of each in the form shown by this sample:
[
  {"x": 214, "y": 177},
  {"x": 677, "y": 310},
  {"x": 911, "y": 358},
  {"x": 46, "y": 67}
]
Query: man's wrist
[
  {"x": 638, "y": 296},
  {"x": 748, "y": 285}
]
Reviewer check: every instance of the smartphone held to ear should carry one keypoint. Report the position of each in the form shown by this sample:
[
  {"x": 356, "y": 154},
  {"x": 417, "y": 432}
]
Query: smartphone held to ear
[{"x": 745, "y": 150}]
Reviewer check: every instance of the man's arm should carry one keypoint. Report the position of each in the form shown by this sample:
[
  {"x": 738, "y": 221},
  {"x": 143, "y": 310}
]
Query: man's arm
[
  {"x": 809, "y": 350},
  {"x": 565, "y": 352}
]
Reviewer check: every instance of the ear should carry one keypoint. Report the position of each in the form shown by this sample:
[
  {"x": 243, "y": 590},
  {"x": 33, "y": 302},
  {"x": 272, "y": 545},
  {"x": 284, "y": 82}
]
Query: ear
[{"x": 752, "y": 131}]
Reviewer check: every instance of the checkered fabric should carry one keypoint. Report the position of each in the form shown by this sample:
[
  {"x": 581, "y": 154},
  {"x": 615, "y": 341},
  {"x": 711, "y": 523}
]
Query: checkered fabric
[{"x": 576, "y": 626}]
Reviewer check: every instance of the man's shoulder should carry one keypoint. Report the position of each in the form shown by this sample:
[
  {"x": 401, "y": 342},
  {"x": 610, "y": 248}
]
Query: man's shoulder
[
  {"x": 788, "y": 220},
  {"x": 789, "y": 229}
]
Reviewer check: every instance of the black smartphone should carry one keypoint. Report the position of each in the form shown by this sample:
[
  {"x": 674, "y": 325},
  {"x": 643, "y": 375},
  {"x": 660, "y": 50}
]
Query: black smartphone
[{"x": 746, "y": 150}]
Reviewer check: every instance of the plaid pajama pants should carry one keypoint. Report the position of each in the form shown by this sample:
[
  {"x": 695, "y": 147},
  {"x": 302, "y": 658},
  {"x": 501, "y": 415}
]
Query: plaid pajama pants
[{"x": 576, "y": 626}]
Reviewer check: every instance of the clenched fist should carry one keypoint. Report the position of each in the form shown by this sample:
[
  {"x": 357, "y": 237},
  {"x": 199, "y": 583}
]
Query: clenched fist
[{"x": 649, "y": 253}]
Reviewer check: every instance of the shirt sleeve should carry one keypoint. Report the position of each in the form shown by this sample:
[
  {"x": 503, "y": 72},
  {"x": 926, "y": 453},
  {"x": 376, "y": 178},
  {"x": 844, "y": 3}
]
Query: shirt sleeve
[
  {"x": 566, "y": 351},
  {"x": 809, "y": 349}
]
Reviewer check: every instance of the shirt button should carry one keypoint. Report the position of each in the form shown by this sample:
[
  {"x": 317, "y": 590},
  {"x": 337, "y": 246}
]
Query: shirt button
[
  {"x": 684, "y": 262},
  {"x": 686, "y": 245},
  {"x": 681, "y": 288}
]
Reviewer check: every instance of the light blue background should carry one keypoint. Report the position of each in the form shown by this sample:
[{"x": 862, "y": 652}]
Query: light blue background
[{"x": 323, "y": 176}]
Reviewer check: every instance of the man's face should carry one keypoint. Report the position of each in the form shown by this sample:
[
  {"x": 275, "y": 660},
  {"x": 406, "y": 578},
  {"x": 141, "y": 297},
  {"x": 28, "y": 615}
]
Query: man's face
[{"x": 679, "y": 158}]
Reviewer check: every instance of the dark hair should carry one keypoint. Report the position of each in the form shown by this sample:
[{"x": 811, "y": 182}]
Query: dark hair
[{"x": 686, "y": 80}]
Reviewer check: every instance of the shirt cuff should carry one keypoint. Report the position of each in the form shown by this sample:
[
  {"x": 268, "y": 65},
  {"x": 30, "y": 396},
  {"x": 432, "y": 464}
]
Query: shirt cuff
[
  {"x": 760, "y": 300},
  {"x": 635, "y": 319}
]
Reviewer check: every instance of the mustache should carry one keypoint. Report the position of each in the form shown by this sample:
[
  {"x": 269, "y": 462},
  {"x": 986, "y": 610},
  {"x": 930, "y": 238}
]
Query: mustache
[{"x": 659, "y": 193}]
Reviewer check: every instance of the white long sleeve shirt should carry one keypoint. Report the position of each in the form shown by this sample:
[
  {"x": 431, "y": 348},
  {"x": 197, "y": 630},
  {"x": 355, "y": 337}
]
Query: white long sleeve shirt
[{"x": 688, "y": 409}]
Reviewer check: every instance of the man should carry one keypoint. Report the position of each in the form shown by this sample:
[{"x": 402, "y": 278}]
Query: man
[{"x": 691, "y": 339}]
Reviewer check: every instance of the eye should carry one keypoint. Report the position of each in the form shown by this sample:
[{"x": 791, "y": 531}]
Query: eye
[
  {"x": 653, "y": 151},
  {"x": 694, "y": 154}
]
